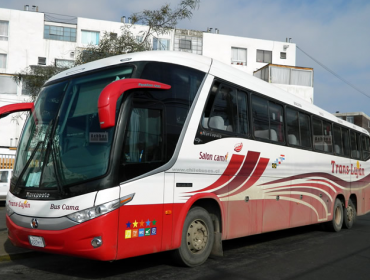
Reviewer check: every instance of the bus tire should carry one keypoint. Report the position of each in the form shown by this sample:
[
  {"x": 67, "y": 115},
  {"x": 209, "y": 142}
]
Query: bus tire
[
  {"x": 197, "y": 238},
  {"x": 336, "y": 223},
  {"x": 350, "y": 215}
]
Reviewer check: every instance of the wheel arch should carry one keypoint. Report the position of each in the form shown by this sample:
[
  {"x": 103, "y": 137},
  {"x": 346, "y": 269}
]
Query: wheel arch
[
  {"x": 353, "y": 197},
  {"x": 210, "y": 202}
]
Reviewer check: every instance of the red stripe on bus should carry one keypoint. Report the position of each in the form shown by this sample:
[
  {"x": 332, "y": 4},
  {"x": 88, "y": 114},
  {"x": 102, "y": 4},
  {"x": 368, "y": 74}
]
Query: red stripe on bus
[
  {"x": 247, "y": 168},
  {"x": 231, "y": 169},
  {"x": 261, "y": 167}
]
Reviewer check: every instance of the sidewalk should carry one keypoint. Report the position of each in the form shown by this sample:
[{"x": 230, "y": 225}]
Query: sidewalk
[{"x": 8, "y": 251}]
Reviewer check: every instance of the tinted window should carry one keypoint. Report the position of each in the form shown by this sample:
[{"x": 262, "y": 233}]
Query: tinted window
[
  {"x": 365, "y": 147},
  {"x": 305, "y": 129},
  {"x": 298, "y": 125},
  {"x": 226, "y": 109},
  {"x": 338, "y": 144},
  {"x": 345, "y": 142},
  {"x": 268, "y": 119}
]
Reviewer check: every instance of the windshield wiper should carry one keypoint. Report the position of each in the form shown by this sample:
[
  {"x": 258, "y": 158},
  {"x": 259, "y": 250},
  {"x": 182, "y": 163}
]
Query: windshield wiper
[{"x": 57, "y": 167}]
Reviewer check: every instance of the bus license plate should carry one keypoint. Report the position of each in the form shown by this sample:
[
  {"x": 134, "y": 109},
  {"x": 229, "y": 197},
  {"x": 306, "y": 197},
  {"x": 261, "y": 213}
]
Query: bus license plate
[{"x": 36, "y": 241}]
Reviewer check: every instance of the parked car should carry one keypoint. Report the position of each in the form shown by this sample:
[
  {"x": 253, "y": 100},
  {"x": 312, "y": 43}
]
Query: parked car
[{"x": 5, "y": 175}]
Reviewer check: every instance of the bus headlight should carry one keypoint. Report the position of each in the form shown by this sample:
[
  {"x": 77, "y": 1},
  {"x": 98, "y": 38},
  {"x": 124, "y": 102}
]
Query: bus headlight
[{"x": 99, "y": 210}]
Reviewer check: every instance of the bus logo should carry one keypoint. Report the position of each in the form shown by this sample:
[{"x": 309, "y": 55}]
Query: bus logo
[
  {"x": 238, "y": 147},
  {"x": 34, "y": 223}
]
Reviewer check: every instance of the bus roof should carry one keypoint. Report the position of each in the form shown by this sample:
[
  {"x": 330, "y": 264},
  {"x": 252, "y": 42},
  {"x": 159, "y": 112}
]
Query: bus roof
[
  {"x": 213, "y": 67},
  {"x": 199, "y": 62}
]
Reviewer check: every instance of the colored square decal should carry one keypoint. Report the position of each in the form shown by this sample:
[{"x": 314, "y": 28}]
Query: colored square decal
[
  {"x": 154, "y": 231},
  {"x": 128, "y": 233},
  {"x": 147, "y": 231},
  {"x": 141, "y": 232},
  {"x": 135, "y": 233}
]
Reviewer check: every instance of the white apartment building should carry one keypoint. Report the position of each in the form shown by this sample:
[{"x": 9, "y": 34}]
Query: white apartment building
[{"x": 29, "y": 37}]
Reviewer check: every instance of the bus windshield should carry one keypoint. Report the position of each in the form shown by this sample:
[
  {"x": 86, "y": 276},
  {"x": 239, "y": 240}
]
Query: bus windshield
[{"x": 62, "y": 142}]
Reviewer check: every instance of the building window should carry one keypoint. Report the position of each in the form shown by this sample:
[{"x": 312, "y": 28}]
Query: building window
[
  {"x": 264, "y": 56},
  {"x": 139, "y": 39},
  {"x": 8, "y": 85},
  {"x": 350, "y": 119},
  {"x": 41, "y": 61},
  {"x": 185, "y": 44},
  {"x": 90, "y": 37},
  {"x": 60, "y": 33},
  {"x": 64, "y": 63},
  {"x": 2, "y": 60},
  {"x": 282, "y": 55},
  {"x": 4, "y": 26},
  {"x": 161, "y": 44},
  {"x": 238, "y": 56}
]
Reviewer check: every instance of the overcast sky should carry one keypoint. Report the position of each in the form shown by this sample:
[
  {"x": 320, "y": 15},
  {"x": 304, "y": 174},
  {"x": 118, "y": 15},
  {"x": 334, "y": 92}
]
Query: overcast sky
[{"x": 334, "y": 32}]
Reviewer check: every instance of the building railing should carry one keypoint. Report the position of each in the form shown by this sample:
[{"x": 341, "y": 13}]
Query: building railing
[
  {"x": 287, "y": 75},
  {"x": 7, "y": 161}
]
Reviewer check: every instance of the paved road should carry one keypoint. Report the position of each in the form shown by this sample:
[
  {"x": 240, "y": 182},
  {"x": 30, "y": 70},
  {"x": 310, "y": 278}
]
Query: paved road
[{"x": 301, "y": 253}]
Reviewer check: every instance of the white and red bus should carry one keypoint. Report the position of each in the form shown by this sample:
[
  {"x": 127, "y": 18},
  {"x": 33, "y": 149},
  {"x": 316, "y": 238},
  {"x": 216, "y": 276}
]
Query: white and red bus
[{"x": 156, "y": 151}]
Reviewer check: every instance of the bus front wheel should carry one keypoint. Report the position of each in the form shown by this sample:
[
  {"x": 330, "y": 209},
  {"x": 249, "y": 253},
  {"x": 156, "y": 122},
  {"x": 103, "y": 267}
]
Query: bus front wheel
[{"x": 197, "y": 238}]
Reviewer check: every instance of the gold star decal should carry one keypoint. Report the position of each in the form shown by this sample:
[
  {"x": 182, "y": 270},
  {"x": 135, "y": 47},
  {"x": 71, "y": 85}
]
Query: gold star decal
[{"x": 135, "y": 223}]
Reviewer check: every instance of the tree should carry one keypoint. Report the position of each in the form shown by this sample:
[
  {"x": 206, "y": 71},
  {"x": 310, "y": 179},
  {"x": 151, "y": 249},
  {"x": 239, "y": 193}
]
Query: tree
[
  {"x": 34, "y": 77},
  {"x": 158, "y": 22}
]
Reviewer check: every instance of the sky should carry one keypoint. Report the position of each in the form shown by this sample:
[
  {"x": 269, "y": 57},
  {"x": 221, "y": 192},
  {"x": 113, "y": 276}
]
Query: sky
[{"x": 333, "y": 32}]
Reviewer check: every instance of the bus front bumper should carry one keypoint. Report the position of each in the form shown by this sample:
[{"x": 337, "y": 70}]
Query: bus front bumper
[{"x": 74, "y": 241}]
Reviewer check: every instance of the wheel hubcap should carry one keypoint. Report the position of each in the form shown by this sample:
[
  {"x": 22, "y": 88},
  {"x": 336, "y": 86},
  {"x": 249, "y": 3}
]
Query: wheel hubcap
[
  {"x": 349, "y": 213},
  {"x": 197, "y": 236}
]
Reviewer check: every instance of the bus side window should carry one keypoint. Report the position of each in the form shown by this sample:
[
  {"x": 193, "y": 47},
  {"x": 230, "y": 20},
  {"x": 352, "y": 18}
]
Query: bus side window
[
  {"x": 210, "y": 101},
  {"x": 318, "y": 136},
  {"x": 224, "y": 109},
  {"x": 143, "y": 141},
  {"x": 365, "y": 147},
  {"x": 260, "y": 118},
  {"x": 276, "y": 122},
  {"x": 355, "y": 153},
  {"x": 268, "y": 120},
  {"x": 338, "y": 149},
  {"x": 345, "y": 140},
  {"x": 328, "y": 136},
  {"x": 243, "y": 112},
  {"x": 305, "y": 130},
  {"x": 292, "y": 119}
]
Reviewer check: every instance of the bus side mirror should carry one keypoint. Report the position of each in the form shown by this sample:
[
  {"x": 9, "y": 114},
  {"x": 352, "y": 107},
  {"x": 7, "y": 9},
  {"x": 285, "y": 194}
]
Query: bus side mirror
[
  {"x": 108, "y": 97},
  {"x": 13, "y": 108}
]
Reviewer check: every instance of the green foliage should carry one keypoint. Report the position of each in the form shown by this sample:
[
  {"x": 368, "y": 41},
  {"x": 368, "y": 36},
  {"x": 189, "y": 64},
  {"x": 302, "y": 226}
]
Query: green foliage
[
  {"x": 158, "y": 22},
  {"x": 34, "y": 77}
]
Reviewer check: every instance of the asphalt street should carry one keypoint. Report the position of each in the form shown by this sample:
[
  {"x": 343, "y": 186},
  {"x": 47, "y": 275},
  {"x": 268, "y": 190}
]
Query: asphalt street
[{"x": 300, "y": 253}]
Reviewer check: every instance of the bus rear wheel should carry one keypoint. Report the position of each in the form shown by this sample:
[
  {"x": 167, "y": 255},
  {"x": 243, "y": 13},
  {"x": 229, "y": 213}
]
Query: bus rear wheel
[
  {"x": 197, "y": 238},
  {"x": 336, "y": 223},
  {"x": 349, "y": 215}
]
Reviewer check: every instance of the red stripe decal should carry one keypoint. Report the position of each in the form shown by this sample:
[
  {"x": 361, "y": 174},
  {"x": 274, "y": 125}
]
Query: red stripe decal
[
  {"x": 246, "y": 170},
  {"x": 231, "y": 169},
  {"x": 261, "y": 167}
]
